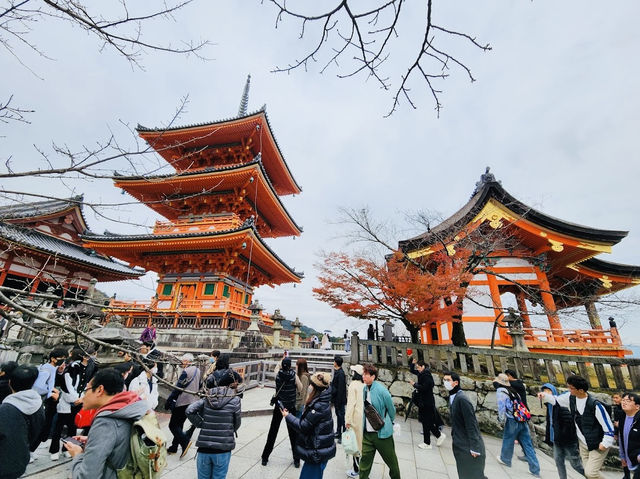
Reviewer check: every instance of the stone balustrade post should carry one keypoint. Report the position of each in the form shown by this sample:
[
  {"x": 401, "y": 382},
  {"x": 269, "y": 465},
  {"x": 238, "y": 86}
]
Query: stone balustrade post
[
  {"x": 355, "y": 348},
  {"x": 277, "y": 327},
  {"x": 296, "y": 333}
]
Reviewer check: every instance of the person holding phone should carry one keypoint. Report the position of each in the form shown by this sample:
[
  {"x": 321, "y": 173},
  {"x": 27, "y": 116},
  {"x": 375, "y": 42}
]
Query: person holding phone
[
  {"x": 286, "y": 394},
  {"x": 315, "y": 443}
]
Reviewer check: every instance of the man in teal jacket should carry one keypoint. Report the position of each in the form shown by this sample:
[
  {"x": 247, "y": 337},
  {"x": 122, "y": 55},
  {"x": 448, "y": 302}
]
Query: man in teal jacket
[{"x": 382, "y": 440}]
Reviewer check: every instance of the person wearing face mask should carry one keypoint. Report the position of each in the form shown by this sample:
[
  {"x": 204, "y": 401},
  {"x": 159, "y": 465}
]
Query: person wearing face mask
[
  {"x": 145, "y": 384},
  {"x": 213, "y": 359},
  {"x": 466, "y": 440}
]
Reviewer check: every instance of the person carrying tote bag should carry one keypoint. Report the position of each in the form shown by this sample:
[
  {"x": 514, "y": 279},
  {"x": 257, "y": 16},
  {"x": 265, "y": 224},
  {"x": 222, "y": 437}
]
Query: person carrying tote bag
[{"x": 353, "y": 415}]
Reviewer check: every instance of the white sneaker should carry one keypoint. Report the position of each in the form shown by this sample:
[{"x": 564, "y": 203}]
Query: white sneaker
[
  {"x": 500, "y": 461},
  {"x": 55, "y": 457},
  {"x": 425, "y": 446},
  {"x": 352, "y": 473},
  {"x": 441, "y": 439}
]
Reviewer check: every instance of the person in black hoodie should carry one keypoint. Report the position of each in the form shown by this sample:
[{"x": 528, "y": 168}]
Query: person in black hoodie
[
  {"x": 315, "y": 443},
  {"x": 339, "y": 395},
  {"x": 423, "y": 398},
  {"x": 21, "y": 421},
  {"x": 561, "y": 434},
  {"x": 629, "y": 435},
  {"x": 286, "y": 395}
]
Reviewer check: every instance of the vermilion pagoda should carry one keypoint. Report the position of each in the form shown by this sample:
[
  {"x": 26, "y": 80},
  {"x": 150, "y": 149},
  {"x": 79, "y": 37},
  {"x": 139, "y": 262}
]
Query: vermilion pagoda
[
  {"x": 223, "y": 198},
  {"x": 549, "y": 263}
]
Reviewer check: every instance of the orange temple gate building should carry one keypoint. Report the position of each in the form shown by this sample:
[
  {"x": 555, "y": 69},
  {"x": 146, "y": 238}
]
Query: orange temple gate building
[
  {"x": 221, "y": 201},
  {"x": 544, "y": 263}
]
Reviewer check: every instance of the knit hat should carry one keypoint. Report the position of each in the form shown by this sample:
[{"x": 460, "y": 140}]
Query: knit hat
[
  {"x": 357, "y": 368},
  {"x": 502, "y": 380},
  {"x": 286, "y": 364},
  {"x": 321, "y": 380}
]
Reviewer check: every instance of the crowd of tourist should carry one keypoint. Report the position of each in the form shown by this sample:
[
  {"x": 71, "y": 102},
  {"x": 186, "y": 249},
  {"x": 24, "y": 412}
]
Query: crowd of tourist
[{"x": 38, "y": 404}]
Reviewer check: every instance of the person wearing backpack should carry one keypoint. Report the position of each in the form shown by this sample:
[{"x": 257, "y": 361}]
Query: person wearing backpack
[
  {"x": 189, "y": 380},
  {"x": 107, "y": 448},
  {"x": 218, "y": 416},
  {"x": 592, "y": 421},
  {"x": 514, "y": 415}
]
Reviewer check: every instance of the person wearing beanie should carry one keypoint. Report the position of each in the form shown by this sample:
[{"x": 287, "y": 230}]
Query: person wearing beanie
[
  {"x": 513, "y": 429},
  {"x": 355, "y": 412},
  {"x": 315, "y": 443},
  {"x": 560, "y": 433},
  {"x": 286, "y": 395},
  {"x": 189, "y": 380},
  {"x": 466, "y": 440}
]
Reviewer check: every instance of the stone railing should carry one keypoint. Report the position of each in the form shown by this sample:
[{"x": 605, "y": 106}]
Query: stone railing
[{"x": 603, "y": 372}]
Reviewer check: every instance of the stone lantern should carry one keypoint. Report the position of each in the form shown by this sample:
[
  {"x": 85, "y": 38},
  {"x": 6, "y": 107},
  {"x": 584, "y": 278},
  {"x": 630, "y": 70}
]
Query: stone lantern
[
  {"x": 514, "y": 323},
  {"x": 277, "y": 327},
  {"x": 296, "y": 333}
]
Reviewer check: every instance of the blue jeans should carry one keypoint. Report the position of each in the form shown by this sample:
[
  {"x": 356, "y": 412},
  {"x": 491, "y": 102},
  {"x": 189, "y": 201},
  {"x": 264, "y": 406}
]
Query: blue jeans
[
  {"x": 518, "y": 430},
  {"x": 312, "y": 471},
  {"x": 213, "y": 466}
]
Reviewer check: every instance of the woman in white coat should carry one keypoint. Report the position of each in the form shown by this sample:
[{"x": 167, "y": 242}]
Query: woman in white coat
[
  {"x": 355, "y": 412},
  {"x": 146, "y": 385}
]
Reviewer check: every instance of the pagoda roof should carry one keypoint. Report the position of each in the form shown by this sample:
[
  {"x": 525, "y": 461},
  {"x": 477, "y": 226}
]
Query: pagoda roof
[
  {"x": 169, "y": 143},
  {"x": 40, "y": 210},
  {"x": 131, "y": 248},
  {"x": 159, "y": 191},
  {"x": 34, "y": 240},
  {"x": 489, "y": 189}
]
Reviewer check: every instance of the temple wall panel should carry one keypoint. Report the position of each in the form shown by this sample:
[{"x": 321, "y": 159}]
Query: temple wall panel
[
  {"x": 478, "y": 329},
  {"x": 507, "y": 277},
  {"x": 512, "y": 262},
  {"x": 444, "y": 332},
  {"x": 24, "y": 270},
  {"x": 482, "y": 295}
]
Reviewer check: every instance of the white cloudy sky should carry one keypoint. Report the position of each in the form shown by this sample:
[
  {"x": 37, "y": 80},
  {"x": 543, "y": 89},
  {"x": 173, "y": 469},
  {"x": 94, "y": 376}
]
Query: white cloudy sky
[{"x": 554, "y": 112}]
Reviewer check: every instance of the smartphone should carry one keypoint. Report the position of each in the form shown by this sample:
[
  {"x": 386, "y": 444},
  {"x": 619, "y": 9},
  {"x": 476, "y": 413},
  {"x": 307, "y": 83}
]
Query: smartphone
[
  {"x": 280, "y": 405},
  {"x": 72, "y": 441}
]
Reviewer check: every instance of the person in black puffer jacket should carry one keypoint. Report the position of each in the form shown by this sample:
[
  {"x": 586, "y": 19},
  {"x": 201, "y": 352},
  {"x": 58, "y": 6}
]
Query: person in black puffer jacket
[
  {"x": 223, "y": 375},
  {"x": 286, "y": 395},
  {"x": 315, "y": 443},
  {"x": 218, "y": 415}
]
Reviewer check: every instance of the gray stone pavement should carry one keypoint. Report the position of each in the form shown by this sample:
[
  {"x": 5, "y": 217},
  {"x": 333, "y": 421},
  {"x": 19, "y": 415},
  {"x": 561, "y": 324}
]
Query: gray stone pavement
[{"x": 415, "y": 463}]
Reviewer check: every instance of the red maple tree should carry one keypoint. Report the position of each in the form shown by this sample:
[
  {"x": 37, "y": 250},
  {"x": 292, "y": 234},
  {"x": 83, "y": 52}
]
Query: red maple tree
[{"x": 415, "y": 293}]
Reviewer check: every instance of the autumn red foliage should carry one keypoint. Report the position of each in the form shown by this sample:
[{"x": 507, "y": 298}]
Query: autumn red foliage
[{"x": 397, "y": 289}]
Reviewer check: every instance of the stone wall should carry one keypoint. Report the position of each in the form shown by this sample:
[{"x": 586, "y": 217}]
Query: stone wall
[{"x": 483, "y": 397}]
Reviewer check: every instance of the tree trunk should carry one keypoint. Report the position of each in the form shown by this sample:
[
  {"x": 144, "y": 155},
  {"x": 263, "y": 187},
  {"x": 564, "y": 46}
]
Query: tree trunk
[{"x": 458, "y": 337}]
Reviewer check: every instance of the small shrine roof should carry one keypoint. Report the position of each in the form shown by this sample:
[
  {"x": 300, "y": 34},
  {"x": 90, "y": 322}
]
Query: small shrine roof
[
  {"x": 37, "y": 209},
  {"x": 488, "y": 188},
  {"x": 33, "y": 239},
  {"x": 166, "y": 134}
]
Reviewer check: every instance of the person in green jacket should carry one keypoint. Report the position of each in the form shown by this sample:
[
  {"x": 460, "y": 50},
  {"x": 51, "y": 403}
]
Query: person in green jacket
[{"x": 382, "y": 440}]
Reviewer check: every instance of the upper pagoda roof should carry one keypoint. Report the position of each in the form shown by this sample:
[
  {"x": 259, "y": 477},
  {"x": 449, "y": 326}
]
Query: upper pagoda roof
[
  {"x": 161, "y": 191},
  {"x": 40, "y": 210},
  {"x": 131, "y": 247},
  {"x": 34, "y": 240},
  {"x": 488, "y": 189},
  {"x": 252, "y": 130}
]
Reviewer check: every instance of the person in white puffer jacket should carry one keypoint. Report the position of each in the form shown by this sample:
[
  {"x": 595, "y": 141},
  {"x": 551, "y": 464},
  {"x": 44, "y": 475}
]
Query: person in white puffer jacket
[{"x": 146, "y": 384}]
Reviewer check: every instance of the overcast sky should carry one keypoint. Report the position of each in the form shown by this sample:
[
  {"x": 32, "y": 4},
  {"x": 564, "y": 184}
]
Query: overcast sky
[{"x": 554, "y": 112}]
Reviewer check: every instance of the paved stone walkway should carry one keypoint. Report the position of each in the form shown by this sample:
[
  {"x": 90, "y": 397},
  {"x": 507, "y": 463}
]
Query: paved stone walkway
[{"x": 415, "y": 463}]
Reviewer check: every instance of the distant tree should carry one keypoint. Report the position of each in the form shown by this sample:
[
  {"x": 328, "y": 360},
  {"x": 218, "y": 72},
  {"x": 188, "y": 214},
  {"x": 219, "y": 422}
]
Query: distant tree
[{"x": 395, "y": 289}]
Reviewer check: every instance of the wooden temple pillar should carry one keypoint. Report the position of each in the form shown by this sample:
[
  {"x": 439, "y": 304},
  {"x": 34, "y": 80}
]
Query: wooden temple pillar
[
  {"x": 547, "y": 300},
  {"x": 497, "y": 310},
  {"x": 522, "y": 307},
  {"x": 592, "y": 313}
]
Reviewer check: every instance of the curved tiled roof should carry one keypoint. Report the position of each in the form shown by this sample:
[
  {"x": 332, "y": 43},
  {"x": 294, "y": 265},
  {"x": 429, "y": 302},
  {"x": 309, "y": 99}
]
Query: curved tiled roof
[
  {"x": 256, "y": 161},
  {"x": 247, "y": 225},
  {"x": 607, "y": 267},
  {"x": 263, "y": 110},
  {"x": 40, "y": 208},
  {"x": 33, "y": 239},
  {"x": 485, "y": 191}
]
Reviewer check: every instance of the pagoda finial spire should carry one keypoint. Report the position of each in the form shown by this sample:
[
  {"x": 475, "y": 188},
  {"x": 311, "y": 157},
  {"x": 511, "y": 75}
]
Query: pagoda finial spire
[{"x": 244, "y": 102}]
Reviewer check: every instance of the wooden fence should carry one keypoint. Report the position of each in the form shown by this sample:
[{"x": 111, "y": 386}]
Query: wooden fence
[{"x": 601, "y": 371}]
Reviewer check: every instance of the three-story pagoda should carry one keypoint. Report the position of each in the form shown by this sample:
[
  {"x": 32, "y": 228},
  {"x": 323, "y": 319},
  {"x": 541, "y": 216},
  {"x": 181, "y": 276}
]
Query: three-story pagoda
[{"x": 221, "y": 201}]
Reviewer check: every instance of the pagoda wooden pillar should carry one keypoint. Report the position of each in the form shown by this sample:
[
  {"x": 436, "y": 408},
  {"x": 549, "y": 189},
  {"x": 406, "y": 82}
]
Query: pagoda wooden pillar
[
  {"x": 522, "y": 307},
  {"x": 547, "y": 300},
  {"x": 592, "y": 313}
]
